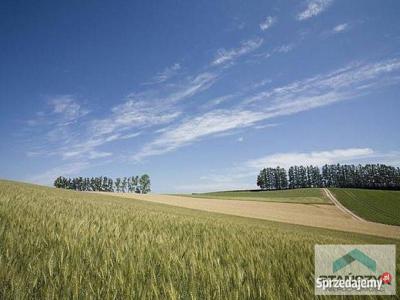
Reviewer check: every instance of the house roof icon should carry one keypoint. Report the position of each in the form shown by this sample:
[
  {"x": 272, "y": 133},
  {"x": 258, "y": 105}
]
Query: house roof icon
[{"x": 354, "y": 255}]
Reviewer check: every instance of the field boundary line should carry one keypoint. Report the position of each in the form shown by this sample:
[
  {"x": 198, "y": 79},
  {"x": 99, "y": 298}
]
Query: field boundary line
[{"x": 341, "y": 206}]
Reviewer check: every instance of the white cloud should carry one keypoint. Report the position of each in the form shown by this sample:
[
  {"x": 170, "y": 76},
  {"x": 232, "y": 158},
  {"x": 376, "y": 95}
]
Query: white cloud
[
  {"x": 261, "y": 83},
  {"x": 133, "y": 113},
  {"x": 62, "y": 111},
  {"x": 80, "y": 141},
  {"x": 314, "y": 8},
  {"x": 58, "y": 123},
  {"x": 96, "y": 154},
  {"x": 219, "y": 100},
  {"x": 194, "y": 128},
  {"x": 266, "y": 126},
  {"x": 86, "y": 148},
  {"x": 192, "y": 86},
  {"x": 284, "y": 48},
  {"x": 317, "y": 158},
  {"x": 150, "y": 108},
  {"x": 267, "y": 23},
  {"x": 66, "y": 170},
  {"x": 224, "y": 56},
  {"x": 67, "y": 107},
  {"x": 130, "y": 135},
  {"x": 240, "y": 139},
  {"x": 340, "y": 28},
  {"x": 391, "y": 158},
  {"x": 166, "y": 74},
  {"x": 139, "y": 111},
  {"x": 242, "y": 175},
  {"x": 220, "y": 121},
  {"x": 299, "y": 96},
  {"x": 337, "y": 85},
  {"x": 67, "y": 138}
]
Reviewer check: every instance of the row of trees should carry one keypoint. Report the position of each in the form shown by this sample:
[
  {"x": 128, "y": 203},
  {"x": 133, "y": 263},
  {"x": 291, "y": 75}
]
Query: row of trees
[
  {"x": 134, "y": 184},
  {"x": 372, "y": 176}
]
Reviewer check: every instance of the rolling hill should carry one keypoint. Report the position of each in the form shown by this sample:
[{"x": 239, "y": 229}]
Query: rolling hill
[
  {"x": 65, "y": 244},
  {"x": 373, "y": 205}
]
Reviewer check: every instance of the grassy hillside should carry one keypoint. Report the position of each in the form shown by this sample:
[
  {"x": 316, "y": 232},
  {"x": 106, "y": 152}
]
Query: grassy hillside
[
  {"x": 64, "y": 244},
  {"x": 308, "y": 195},
  {"x": 373, "y": 205}
]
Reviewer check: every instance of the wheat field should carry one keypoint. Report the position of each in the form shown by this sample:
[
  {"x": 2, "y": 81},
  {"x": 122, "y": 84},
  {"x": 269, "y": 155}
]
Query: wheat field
[{"x": 64, "y": 244}]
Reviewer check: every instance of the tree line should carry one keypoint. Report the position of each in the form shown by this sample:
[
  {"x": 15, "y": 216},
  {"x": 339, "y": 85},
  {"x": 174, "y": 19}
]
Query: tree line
[
  {"x": 370, "y": 176},
  {"x": 133, "y": 184}
]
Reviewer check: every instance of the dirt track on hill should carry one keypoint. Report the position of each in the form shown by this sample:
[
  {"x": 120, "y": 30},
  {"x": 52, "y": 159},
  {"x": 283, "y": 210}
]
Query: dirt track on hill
[
  {"x": 316, "y": 215},
  {"x": 341, "y": 206}
]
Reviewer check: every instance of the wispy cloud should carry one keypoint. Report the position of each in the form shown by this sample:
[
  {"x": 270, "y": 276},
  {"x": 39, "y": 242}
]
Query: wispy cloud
[
  {"x": 314, "y": 8},
  {"x": 126, "y": 121},
  {"x": 218, "y": 100},
  {"x": 165, "y": 75},
  {"x": 57, "y": 122},
  {"x": 269, "y": 125},
  {"x": 267, "y": 23},
  {"x": 61, "y": 110},
  {"x": 67, "y": 107},
  {"x": 192, "y": 129},
  {"x": 192, "y": 85},
  {"x": 224, "y": 56},
  {"x": 134, "y": 113},
  {"x": 145, "y": 110},
  {"x": 68, "y": 169},
  {"x": 284, "y": 48},
  {"x": 346, "y": 83},
  {"x": 85, "y": 149},
  {"x": 150, "y": 108},
  {"x": 261, "y": 83},
  {"x": 340, "y": 28},
  {"x": 96, "y": 154}
]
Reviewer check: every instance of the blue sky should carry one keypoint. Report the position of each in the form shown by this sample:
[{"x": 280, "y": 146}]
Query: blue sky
[{"x": 198, "y": 94}]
